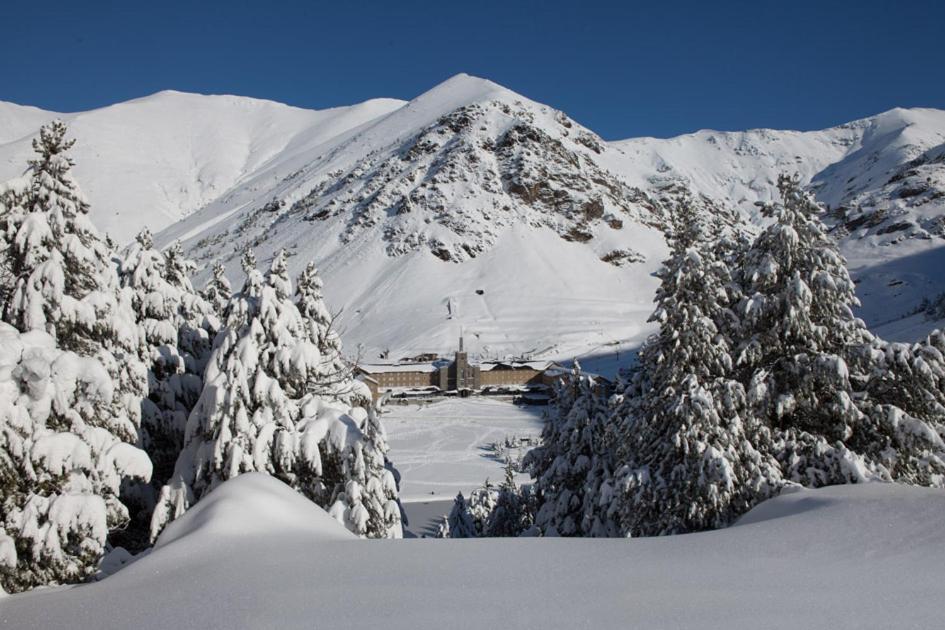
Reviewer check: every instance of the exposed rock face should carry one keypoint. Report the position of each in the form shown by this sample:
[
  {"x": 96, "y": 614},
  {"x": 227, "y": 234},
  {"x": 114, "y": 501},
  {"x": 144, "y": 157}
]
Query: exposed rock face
[
  {"x": 907, "y": 205},
  {"x": 455, "y": 185}
]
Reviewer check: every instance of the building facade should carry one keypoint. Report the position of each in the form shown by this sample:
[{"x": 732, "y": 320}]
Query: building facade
[{"x": 459, "y": 375}]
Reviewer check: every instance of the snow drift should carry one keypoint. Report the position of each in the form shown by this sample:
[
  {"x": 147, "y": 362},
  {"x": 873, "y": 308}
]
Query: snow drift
[
  {"x": 253, "y": 504},
  {"x": 839, "y": 557}
]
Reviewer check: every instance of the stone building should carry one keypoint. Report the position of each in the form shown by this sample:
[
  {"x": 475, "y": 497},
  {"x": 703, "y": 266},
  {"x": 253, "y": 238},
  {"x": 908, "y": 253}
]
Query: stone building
[
  {"x": 386, "y": 377},
  {"x": 458, "y": 375},
  {"x": 513, "y": 373}
]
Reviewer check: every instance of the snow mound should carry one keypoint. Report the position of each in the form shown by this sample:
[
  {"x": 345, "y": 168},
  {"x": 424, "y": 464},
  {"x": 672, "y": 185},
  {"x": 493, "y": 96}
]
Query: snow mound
[
  {"x": 252, "y": 504},
  {"x": 868, "y": 503},
  {"x": 853, "y": 556}
]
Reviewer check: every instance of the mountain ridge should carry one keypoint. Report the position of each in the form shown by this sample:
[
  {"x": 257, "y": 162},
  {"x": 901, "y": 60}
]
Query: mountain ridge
[{"x": 424, "y": 214}]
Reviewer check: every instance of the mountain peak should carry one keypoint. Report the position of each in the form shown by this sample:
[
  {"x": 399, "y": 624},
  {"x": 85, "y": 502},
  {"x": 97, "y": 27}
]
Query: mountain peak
[
  {"x": 470, "y": 84},
  {"x": 460, "y": 90}
]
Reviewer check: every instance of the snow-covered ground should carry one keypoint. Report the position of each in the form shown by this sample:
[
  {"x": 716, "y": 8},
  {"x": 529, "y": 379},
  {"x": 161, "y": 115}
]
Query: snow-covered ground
[
  {"x": 440, "y": 448},
  {"x": 257, "y": 555}
]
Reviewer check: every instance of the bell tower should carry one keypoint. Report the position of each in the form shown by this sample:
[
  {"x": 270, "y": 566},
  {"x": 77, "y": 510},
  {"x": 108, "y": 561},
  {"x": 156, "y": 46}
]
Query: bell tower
[
  {"x": 460, "y": 365},
  {"x": 466, "y": 376}
]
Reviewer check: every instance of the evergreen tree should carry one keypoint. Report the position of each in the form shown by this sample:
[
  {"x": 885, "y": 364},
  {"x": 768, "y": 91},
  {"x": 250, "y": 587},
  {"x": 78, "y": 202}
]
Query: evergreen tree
[
  {"x": 218, "y": 291},
  {"x": 177, "y": 326},
  {"x": 62, "y": 462},
  {"x": 12, "y": 196},
  {"x": 904, "y": 412},
  {"x": 258, "y": 412},
  {"x": 829, "y": 391},
  {"x": 601, "y": 508},
  {"x": 459, "y": 523},
  {"x": 66, "y": 285},
  {"x": 514, "y": 509},
  {"x": 492, "y": 511},
  {"x": 572, "y": 460},
  {"x": 700, "y": 437},
  {"x": 76, "y": 382},
  {"x": 198, "y": 319},
  {"x": 369, "y": 505},
  {"x": 686, "y": 442},
  {"x": 333, "y": 377},
  {"x": 801, "y": 327}
]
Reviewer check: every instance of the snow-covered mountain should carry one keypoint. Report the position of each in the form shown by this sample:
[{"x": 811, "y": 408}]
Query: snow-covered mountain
[
  {"x": 882, "y": 177},
  {"x": 153, "y": 160},
  {"x": 473, "y": 209},
  {"x": 469, "y": 209}
]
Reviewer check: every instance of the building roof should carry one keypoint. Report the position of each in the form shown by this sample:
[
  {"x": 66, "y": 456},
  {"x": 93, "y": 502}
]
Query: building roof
[
  {"x": 385, "y": 368},
  {"x": 538, "y": 366},
  {"x": 433, "y": 366}
]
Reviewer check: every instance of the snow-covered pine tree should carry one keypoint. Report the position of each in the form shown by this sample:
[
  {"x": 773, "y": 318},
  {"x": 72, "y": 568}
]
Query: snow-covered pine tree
[
  {"x": 459, "y": 523},
  {"x": 572, "y": 459},
  {"x": 218, "y": 291},
  {"x": 493, "y": 511},
  {"x": 601, "y": 507},
  {"x": 800, "y": 323},
  {"x": 177, "y": 326},
  {"x": 257, "y": 413},
  {"x": 817, "y": 377},
  {"x": 12, "y": 195},
  {"x": 514, "y": 510},
  {"x": 919, "y": 372},
  {"x": 369, "y": 505},
  {"x": 198, "y": 319},
  {"x": 66, "y": 284},
  {"x": 333, "y": 378},
  {"x": 600, "y": 510},
  {"x": 904, "y": 413},
  {"x": 686, "y": 441},
  {"x": 62, "y": 462}
]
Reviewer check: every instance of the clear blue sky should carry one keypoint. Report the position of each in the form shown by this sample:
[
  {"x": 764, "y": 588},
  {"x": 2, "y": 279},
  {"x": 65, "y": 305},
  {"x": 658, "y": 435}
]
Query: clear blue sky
[{"x": 622, "y": 68}]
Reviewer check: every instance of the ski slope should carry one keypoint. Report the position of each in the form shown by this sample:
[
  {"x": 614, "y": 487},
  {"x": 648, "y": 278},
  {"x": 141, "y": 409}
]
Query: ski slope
[{"x": 255, "y": 555}]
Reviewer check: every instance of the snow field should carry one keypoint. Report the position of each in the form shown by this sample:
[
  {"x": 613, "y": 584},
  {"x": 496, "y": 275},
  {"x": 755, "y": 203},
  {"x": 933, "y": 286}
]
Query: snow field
[
  {"x": 439, "y": 449},
  {"x": 853, "y": 556}
]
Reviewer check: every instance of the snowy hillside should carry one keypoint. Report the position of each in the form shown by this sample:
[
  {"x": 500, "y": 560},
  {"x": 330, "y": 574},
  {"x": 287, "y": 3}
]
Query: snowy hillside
[
  {"x": 471, "y": 208},
  {"x": 17, "y": 121},
  {"x": 151, "y": 161},
  {"x": 842, "y": 557},
  {"x": 883, "y": 178}
]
